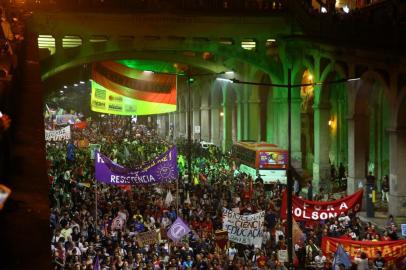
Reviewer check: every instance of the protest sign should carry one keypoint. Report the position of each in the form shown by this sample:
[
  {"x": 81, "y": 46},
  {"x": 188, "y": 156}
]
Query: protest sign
[
  {"x": 317, "y": 210},
  {"x": 391, "y": 250},
  {"x": 93, "y": 148},
  {"x": 283, "y": 255},
  {"x": 244, "y": 229},
  {"x": 159, "y": 170},
  {"x": 65, "y": 119},
  {"x": 62, "y": 134},
  {"x": 118, "y": 223},
  {"x": 403, "y": 229},
  {"x": 147, "y": 238}
]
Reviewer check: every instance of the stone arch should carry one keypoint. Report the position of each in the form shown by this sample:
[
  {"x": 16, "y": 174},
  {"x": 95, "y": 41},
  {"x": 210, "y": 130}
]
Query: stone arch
[
  {"x": 331, "y": 73},
  {"x": 330, "y": 124},
  {"x": 397, "y": 198},
  {"x": 305, "y": 96},
  {"x": 259, "y": 107},
  {"x": 52, "y": 65},
  {"x": 371, "y": 113}
]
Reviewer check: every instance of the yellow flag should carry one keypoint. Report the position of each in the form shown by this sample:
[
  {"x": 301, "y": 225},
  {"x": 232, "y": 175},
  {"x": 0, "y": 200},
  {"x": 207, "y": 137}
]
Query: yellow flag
[{"x": 196, "y": 180}]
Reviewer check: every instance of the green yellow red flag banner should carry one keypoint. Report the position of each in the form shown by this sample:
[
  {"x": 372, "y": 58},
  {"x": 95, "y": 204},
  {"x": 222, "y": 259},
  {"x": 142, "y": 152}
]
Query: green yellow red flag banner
[
  {"x": 391, "y": 250},
  {"x": 117, "y": 89}
]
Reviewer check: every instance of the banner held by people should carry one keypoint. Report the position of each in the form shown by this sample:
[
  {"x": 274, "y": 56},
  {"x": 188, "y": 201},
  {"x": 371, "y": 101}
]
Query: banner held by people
[
  {"x": 244, "y": 229},
  {"x": 317, "y": 210},
  {"x": 62, "y": 134},
  {"x": 159, "y": 170},
  {"x": 391, "y": 250}
]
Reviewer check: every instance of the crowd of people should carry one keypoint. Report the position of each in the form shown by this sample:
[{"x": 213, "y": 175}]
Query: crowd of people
[{"x": 82, "y": 212}]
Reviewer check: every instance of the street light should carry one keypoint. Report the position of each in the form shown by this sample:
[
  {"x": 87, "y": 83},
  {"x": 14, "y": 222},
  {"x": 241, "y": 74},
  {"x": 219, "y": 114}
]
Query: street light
[{"x": 289, "y": 86}]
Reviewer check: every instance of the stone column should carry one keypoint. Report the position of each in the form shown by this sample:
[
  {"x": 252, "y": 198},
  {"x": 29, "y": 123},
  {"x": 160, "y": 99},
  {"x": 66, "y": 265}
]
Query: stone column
[
  {"x": 196, "y": 122},
  {"x": 176, "y": 124},
  {"x": 215, "y": 125},
  {"x": 357, "y": 143},
  {"x": 171, "y": 125},
  {"x": 227, "y": 126},
  {"x": 296, "y": 133},
  {"x": 397, "y": 193},
  {"x": 182, "y": 123},
  {"x": 161, "y": 125},
  {"x": 245, "y": 120},
  {"x": 321, "y": 166},
  {"x": 253, "y": 120},
  {"x": 205, "y": 123},
  {"x": 282, "y": 120},
  {"x": 274, "y": 138},
  {"x": 240, "y": 122}
]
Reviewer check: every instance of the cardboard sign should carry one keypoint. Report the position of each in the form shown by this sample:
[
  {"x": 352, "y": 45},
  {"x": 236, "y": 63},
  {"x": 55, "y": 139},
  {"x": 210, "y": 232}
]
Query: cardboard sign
[
  {"x": 62, "y": 134},
  {"x": 283, "y": 255},
  {"x": 147, "y": 238},
  {"x": 403, "y": 228}
]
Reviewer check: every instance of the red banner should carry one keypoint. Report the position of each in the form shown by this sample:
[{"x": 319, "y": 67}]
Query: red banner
[
  {"x": 391, "y": 250},
  {"x": 317, "y": 210}
]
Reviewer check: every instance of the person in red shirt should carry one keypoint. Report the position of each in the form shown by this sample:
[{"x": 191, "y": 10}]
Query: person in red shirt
[
  {"x": 195, "y": 224},
  {"x": 261, "y": 261},
  {"x": 207, "y": 225}
]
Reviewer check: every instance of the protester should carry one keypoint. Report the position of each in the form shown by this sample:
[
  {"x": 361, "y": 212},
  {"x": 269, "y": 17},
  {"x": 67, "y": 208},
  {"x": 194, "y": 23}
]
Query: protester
[{"x": 110, "y": 231}]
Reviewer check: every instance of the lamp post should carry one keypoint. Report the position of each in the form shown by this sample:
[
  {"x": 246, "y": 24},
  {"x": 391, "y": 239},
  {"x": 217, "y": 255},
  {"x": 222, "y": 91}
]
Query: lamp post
[
  {"x": 289, "y": 87},
  {"x": 289, "y": 172},
  {"x": 189, "y": 131}
]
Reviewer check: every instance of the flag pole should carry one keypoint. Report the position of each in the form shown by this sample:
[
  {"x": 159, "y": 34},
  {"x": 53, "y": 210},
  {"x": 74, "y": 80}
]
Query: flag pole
[
  {"x": 177, "y": 197},
  {"x": 95, "y": 204}
]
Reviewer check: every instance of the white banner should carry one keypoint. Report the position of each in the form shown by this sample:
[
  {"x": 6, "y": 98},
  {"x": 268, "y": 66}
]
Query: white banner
[
  {"x": 58, "y": 135},
  {"x": 244, "y": 229}
]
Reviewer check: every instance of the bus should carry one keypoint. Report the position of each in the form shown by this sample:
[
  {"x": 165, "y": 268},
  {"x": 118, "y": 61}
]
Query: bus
[{"x": 266, "y": 159}]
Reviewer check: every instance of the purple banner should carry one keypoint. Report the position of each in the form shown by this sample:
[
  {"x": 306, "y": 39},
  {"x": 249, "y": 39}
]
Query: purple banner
[
  {"x": 159, "y": 170},
  {"x": 177, "y": 230}
]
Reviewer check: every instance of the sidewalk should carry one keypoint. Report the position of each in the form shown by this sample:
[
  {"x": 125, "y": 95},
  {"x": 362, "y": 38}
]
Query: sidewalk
[{"x": 379, "y": 220}]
